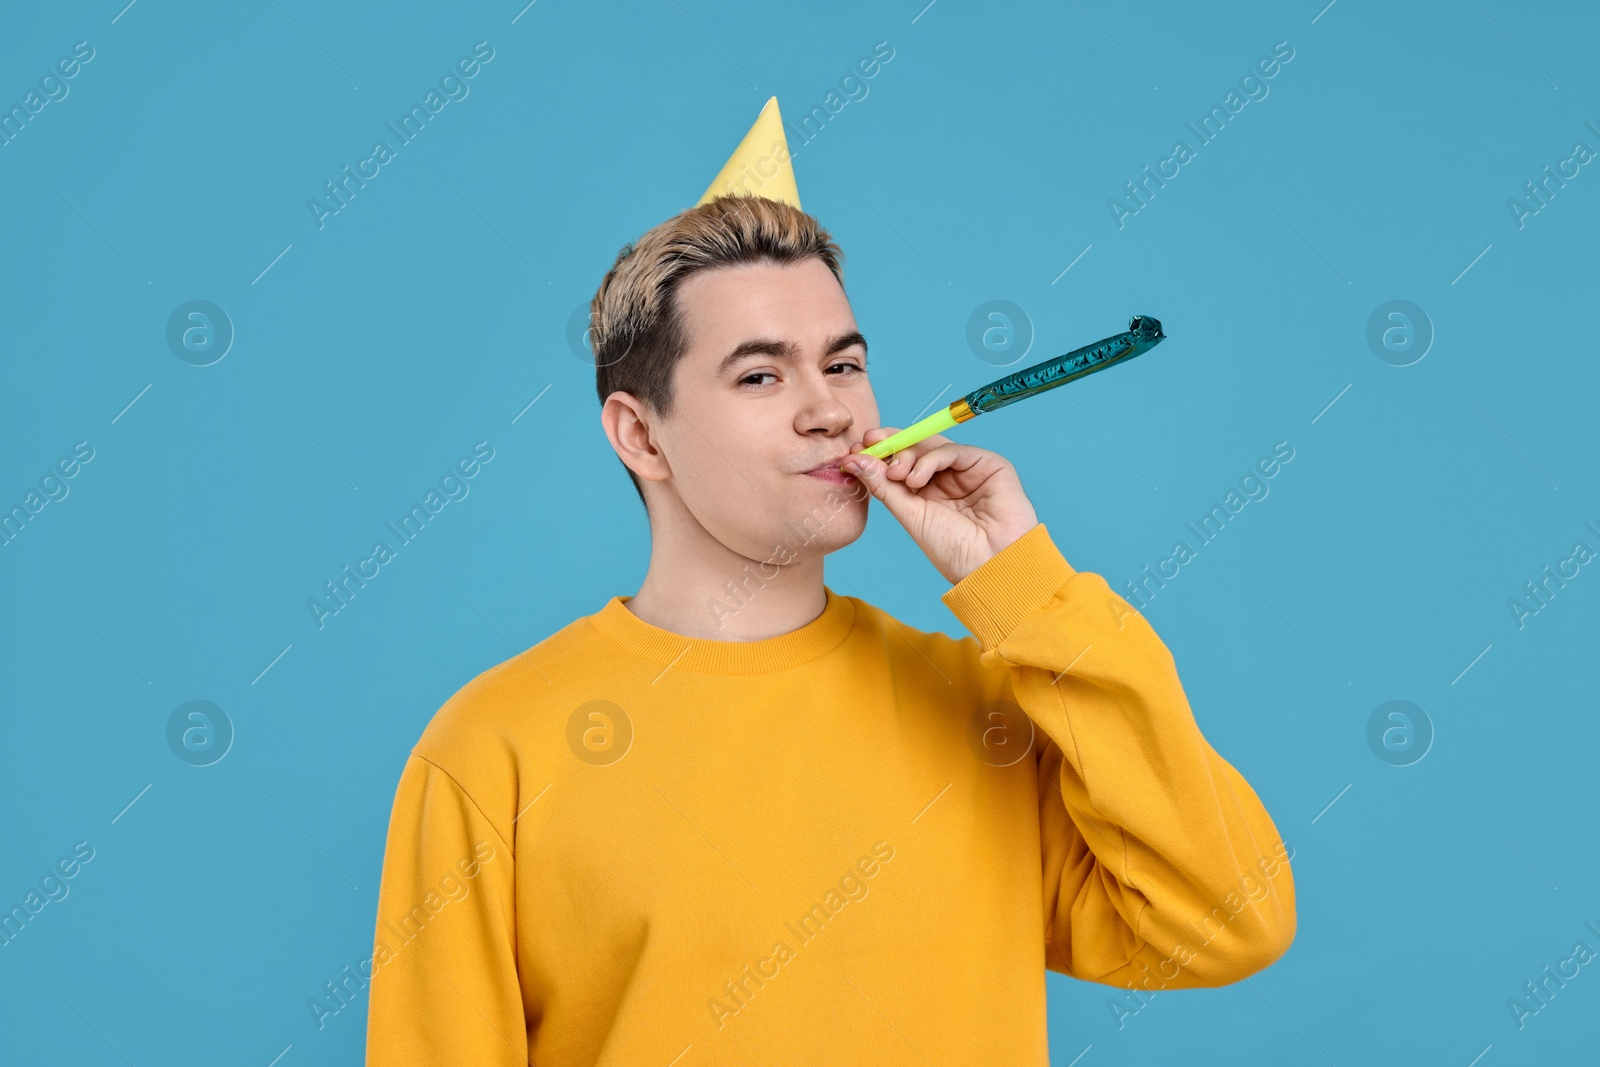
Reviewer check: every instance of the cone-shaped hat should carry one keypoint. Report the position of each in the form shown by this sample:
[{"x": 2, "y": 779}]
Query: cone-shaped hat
[{"x": 760, "y": 165}]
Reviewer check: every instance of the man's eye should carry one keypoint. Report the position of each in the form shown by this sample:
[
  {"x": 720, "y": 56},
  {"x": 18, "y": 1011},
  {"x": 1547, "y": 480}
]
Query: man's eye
[{"x": 749, "y": 379}]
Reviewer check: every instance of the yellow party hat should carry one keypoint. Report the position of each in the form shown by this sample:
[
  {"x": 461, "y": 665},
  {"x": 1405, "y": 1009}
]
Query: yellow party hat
[{"x": 760, "y": 165}]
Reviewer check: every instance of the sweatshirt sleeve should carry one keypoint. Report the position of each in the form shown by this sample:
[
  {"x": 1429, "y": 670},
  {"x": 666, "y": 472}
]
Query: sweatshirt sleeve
[
  {"x": 444, "y": 988},
  {"x": 1161, "y": 867}
]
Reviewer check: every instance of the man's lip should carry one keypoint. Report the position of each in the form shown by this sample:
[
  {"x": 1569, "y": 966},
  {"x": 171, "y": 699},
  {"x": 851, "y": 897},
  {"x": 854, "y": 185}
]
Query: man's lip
[{"x": 828, "y": 464}]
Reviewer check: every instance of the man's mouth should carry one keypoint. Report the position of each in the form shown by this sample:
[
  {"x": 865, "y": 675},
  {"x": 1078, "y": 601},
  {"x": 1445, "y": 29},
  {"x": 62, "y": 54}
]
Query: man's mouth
[{"x": 829, "y": 472}]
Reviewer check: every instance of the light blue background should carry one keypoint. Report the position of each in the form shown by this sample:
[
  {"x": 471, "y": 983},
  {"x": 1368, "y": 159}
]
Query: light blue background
[{"x": 434, "y": 308}]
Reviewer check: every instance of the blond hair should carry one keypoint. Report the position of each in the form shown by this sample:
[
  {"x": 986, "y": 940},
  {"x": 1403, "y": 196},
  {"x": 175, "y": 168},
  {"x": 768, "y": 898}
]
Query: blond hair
[{"x": 637, "y": 330}]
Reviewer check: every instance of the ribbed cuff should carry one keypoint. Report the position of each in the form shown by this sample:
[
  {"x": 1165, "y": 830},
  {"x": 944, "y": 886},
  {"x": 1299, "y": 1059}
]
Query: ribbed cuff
[{"x": 1017, "y": 581}]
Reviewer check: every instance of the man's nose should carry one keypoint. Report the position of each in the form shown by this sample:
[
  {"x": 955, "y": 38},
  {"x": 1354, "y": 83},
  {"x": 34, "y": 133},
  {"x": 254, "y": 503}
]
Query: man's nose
[{"x": 824, "y": 410}]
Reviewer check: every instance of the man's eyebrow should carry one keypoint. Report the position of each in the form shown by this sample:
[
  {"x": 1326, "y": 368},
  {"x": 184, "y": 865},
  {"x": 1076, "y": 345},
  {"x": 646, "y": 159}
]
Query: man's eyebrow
[
  {"x": 768, "y": 346},
  {"x": 756, "y": 346},
  {"x": 847, "y": 340}
]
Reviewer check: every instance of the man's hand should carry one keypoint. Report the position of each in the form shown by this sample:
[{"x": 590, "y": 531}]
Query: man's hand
[{"x": 960, "y": 504}]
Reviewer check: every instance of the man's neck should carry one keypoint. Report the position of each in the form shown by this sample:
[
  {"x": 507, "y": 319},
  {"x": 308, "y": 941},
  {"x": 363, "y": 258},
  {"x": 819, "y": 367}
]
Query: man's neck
[{"x": 698, "y": 587}]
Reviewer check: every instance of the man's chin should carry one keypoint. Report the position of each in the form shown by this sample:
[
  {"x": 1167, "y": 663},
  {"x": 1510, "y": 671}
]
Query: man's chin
[
  {"x": 842, "y": 536},
  {"x": 831, "y": 524}
]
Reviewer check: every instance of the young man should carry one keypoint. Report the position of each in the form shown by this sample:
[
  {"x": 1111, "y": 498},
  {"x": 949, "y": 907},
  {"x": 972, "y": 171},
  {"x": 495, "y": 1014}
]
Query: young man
[{"x": 740, "y": 818}]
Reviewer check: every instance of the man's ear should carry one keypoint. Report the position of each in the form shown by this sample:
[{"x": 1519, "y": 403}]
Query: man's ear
[{"x": 628, "y": 425}]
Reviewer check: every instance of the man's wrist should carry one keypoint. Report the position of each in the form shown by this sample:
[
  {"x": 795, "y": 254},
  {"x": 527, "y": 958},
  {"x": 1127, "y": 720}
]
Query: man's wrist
[
  {"x": 1010, "y": 585},
  {"x": 1003, "y": 543}
]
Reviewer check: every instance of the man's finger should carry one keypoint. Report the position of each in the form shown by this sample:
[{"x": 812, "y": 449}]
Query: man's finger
[
  {"x": 937, "y": 457},
  {"x": 873, "y": 436},
  {"x": 873, "y": 473}
]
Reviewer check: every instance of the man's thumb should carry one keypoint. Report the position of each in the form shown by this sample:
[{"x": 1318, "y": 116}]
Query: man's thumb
[{"x": 871, "y": 472}]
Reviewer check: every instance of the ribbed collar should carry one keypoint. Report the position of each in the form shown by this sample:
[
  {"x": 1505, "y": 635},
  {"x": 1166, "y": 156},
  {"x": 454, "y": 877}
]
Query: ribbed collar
[{"x": 816, "y": 638}]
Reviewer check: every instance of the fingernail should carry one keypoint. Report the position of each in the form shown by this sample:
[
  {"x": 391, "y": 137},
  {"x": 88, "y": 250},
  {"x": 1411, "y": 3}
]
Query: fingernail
[{"x": 852, "y": 466}]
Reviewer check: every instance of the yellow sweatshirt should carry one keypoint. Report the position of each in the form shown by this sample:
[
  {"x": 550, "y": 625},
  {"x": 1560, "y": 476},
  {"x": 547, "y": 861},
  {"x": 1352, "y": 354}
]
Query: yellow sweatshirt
[{"x": 854, "y": 843}]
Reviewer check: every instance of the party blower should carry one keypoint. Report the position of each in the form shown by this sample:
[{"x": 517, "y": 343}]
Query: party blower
[{"x": 1143, "y": 334}]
